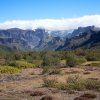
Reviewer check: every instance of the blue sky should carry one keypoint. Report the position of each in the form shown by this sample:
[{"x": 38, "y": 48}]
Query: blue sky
[{"x": 42, "y": 9}]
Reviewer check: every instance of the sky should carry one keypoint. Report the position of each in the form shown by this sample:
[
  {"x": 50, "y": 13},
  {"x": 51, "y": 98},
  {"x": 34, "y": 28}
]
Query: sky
[{"x": 21, "y": 12}]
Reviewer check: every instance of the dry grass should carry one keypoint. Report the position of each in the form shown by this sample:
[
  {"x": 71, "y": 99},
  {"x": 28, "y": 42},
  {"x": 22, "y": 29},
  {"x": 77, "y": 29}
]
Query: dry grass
[{"x": 33, "y": 88}]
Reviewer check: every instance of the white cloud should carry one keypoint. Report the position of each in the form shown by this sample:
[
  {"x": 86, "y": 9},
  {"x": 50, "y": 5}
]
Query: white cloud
[{"x": 53, "y": 24}]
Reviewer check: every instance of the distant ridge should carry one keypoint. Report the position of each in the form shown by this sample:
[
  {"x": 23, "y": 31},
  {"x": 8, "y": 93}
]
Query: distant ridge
[{"x": 41, "y": 39}]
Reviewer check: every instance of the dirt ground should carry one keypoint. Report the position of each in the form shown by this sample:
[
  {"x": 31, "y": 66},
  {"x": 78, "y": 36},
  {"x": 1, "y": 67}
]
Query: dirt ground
[{"x": 21, "y": 86}]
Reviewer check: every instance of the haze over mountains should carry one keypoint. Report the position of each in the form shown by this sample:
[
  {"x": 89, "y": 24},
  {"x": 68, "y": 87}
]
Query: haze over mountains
[{"x": 42, "y": 39}]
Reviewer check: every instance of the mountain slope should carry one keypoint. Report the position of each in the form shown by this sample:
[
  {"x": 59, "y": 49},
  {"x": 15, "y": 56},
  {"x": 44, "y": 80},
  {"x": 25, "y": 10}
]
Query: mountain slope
[
  {"x": 21, "y": 39},
  {"x": 81, "y": 30},
  {"x": 85, "y": 40},
  {"x": 51, "y": 43},
  {"x": 41, "y": 39},
  {"x": 6, "y": 49}
]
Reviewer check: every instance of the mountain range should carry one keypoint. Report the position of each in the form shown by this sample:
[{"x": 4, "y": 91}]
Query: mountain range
[{"x": 41, "y": 39}]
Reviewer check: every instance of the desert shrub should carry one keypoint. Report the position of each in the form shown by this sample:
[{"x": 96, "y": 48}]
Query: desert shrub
[
  {"x": 51, "y": 70},
  {"x": 24, "y": 64},
  {"x": 61, "y": 86},
  {"x": 75, "y": 83},
  {"x": 35, "y": 55},
  {"x": 92, "y": 84},
  {"x": 94, "y": 64},
  {"x": 81, "y": 98},
  {"x": 62, "y": 63},
  {"x": 50, "y": 83},
  {"x": 89, "y": 95},
  {"x": 38, "y": 63},
  {"x": 92, "y": 57},
  {"x": 11, "y": 63},
  {"x": 86, "y": 96},
  {"x": 80, "y": 52},
  {"x": 50, "y": 60},
  {"x": 71, "y": 60},
  {"x": 53, "y": 83},
  {"x": 29, "y": 59},
  {"x": 37, "y": 93},
  {"x": 81, "y": 60},
  {"x": 17, "y": 56},
  {"x": 47, "y": 98},
  {"x": 2, "y": 61},
  {"x": 9, "y": 69}
]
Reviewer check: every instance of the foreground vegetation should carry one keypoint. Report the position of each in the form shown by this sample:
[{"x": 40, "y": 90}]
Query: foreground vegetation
[
  {"x": 51, "y": 58},
  {"x": 37, "y": 74},
  {"x": 73, "y": 83},
  {"x": 9, "y": 70}
]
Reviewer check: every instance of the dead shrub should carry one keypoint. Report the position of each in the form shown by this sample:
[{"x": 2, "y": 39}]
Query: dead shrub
[
  {"x": 37, "y": 93},
  {"x": 89, "y": 95},
  {"x": 47, "y": 98},
  {"x": 81, "y": 98},
  {"x": 86, "y": 96}
]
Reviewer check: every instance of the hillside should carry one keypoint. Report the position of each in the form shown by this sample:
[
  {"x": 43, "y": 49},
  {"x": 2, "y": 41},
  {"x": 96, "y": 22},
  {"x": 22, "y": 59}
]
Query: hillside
[{"x": 84, "y": 40}]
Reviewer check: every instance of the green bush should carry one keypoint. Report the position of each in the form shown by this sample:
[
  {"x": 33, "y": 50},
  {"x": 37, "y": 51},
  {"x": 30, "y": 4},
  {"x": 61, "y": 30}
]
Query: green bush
[
  {"x": 75, "y": 83},
  {"x": 81, "y": 60},
  {"x": 80, "y": 52},
  {"x": 9, "y": 70},
  {"x": 50, "y": 83},
  {"x": 71, "y": 60},
  {"x": 92, "y": 57},
  {"x": 51, "y": 70},
  {"x": 94, "y": 64},
  {"x": 2, "y": 61},
  {"x": 38, "y": 63},
  {"x": 11, "y": 63},
  {"x": 61, "y": 86},
  {"x": 53, "y": 83},
  {"x": 24, "y": 64},
  {"x": 50, "y": 60},
  {"x": 17, "y": 56},
  {"x": 92, "y": 84}
]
